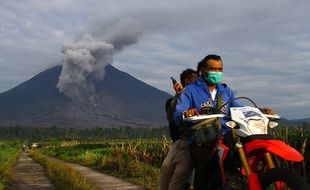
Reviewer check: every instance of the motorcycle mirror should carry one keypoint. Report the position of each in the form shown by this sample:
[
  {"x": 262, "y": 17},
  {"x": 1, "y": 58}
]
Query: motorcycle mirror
[
  {"x": 273, "y": 124},
  {"x": 231, "y": 124}
]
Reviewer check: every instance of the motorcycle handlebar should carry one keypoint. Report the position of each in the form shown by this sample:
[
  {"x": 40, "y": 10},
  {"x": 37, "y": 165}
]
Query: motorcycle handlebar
[{"x": 241, "y": 97}]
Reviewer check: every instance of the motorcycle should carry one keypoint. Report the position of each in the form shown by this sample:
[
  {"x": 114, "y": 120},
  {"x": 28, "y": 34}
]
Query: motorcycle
[{"x": 255, "y": 148}]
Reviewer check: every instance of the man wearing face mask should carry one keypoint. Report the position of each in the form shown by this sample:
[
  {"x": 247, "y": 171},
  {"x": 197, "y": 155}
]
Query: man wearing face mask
[{"x": 203, "y": 97}]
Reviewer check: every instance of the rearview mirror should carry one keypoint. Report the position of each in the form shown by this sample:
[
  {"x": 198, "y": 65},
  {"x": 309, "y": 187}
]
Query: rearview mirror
[{"x": 272, "y": 124}]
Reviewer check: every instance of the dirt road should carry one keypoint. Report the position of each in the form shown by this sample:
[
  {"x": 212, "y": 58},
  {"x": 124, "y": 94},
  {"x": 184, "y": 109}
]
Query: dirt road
[
  {"x": 104, "y": 181},
  {"x": 28, "y": 174}
]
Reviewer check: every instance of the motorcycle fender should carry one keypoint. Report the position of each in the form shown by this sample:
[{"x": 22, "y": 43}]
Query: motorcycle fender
[
  {"x": 222, "y": 153},
  {"x": 254, "y": 183},
  {"x": 276, "y": 147}
]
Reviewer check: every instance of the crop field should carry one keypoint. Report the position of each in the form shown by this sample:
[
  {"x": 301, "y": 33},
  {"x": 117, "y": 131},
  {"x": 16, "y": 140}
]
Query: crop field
[
  {"x": 137, "y": 160},
  {"x": 140, "y": 160},
  {"x": 299, "y": 139},
  {"x": 9, "y": 153}
]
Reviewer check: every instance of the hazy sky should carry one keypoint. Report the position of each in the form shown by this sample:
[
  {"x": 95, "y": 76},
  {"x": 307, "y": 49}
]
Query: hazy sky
[{"x": 265, "y": 45}]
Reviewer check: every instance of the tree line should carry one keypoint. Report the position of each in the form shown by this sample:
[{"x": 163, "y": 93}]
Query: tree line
[
  {"x": 97, "y": 133},
  {"x": 35, "y": 133}
]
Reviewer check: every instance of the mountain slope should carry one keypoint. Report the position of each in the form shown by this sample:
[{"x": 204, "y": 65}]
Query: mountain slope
[{"x": 121, "y": 100}]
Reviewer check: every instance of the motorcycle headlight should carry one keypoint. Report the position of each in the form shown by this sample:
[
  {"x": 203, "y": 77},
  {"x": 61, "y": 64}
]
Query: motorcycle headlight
[{"x": 257, "y": 126}]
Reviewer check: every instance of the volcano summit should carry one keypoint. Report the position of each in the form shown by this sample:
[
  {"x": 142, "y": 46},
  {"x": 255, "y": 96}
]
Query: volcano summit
[{"x": 120, "y": 100}]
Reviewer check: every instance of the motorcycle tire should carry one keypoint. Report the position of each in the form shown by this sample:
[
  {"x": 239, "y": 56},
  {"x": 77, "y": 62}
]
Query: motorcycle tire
[{"x": 292, "y": 180}]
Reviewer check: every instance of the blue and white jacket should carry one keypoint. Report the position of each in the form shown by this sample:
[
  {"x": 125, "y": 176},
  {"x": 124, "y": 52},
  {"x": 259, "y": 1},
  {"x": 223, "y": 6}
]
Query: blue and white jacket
[{"x": 197, "y": 95}]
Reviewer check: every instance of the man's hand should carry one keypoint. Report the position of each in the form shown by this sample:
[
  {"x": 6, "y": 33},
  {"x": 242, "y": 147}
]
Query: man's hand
[
  {"x": 268, "y": 111},
  {"x": 191, "y": 112},
  {"x": 178, "y": 88}
]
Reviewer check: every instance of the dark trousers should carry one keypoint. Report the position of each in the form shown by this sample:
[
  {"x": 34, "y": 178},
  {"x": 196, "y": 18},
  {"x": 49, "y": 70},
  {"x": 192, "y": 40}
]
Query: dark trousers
[
  {"x": 206, "y": 166},
  {"x": 177, "y": 167},
  {"x": 206, "y": 163}
]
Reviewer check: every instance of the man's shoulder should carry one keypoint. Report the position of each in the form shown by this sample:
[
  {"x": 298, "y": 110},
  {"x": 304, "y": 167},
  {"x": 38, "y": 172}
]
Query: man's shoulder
[
  {"x": 168, "y": 102},
  {"x": 197, "y": 83},
  {"x": 223, "y": 84},
  {"x": 224, "y": 87},
  {"x": 191, "y": 88}
]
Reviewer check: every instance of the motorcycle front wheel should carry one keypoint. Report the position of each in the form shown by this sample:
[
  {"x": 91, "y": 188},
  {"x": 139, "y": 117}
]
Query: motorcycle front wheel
[{"x": 282, "y": 178}]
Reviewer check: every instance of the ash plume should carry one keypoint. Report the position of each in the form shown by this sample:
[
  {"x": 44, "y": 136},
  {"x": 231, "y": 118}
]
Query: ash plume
[
  {"x": 83, "y": 65},
  {"x": 84, "y": 61},
  {"x": 125, "y": 32}
]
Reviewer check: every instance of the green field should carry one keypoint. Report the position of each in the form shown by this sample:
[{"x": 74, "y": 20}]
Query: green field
[
  {"x": 138, "y": 160},
  {"x": 9, "y": 153}
]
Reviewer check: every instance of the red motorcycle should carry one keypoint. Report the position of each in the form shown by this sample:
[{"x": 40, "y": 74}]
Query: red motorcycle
[{"x": 255, "y": 149}]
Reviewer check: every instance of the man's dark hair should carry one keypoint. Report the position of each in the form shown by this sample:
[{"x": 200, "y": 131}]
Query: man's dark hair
[
  {"x": 204, "y": 63},
  {"x": 199, "y": 66},
  {"x": 186, "y": 74}
]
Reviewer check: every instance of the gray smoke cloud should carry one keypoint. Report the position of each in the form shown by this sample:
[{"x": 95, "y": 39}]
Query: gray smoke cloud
[
  {"x": 85, "y": 61},
  {"x": 83, "y": 65},
  {"x": 125, "y": 32}
]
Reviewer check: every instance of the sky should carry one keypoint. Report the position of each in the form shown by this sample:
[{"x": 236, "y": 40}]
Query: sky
[{"x": 264, "y": 44}]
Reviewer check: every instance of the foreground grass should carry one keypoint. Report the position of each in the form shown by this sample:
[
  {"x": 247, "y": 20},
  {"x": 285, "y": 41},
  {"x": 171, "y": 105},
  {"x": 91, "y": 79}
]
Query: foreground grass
[
  {"x": 297, "y": 138},
  {"x": 136, "y": 160},
  {"x": 63, "y": 177},
  {"x": 140, "y": 160},
  {"x": 9, "y": 154}
]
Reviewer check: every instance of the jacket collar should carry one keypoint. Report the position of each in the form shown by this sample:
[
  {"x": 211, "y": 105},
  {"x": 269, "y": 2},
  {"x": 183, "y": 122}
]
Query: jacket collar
[{"x": 201, "y": 82}]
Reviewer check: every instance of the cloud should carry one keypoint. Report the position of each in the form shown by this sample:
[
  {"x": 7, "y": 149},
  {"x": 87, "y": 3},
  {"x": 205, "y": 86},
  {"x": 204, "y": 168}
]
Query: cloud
[
  {"x": 264, "y": 44},
  {"x": 125, "y": 32}
]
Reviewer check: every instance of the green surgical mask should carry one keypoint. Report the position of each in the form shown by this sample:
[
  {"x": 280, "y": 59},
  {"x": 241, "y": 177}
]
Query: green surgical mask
[{"x": 214, "y": 77}]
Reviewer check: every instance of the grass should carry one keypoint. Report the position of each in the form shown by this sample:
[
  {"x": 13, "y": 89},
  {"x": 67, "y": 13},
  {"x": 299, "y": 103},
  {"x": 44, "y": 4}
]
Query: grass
[
  {"x": 9, "y": 154},
  {"x": 63, "y": 176},
  {"x": 138, "y": 161},
  {"x": 297, "y": 138}
]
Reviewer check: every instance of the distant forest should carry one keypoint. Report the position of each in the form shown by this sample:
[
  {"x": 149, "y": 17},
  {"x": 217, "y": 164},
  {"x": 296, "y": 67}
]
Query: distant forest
[{"x": 37, "y": 134}]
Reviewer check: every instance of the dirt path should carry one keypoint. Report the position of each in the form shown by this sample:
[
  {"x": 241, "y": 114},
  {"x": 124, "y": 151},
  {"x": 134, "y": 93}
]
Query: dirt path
[
  {"x": 104, "y": 181},
  {"x": 27, "y": 174}
]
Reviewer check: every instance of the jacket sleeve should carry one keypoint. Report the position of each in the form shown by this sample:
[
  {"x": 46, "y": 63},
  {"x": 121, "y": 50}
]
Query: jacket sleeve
[{"x": 183, "y": 104}]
